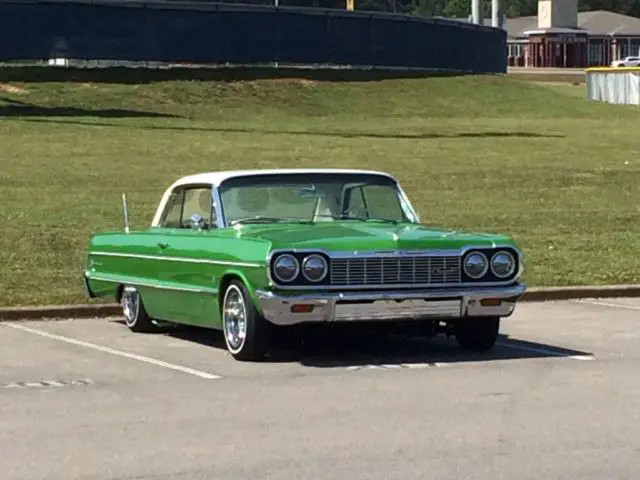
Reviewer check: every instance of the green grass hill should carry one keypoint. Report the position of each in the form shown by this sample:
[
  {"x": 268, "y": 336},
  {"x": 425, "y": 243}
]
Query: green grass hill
[{"x": 481, "y": 153}]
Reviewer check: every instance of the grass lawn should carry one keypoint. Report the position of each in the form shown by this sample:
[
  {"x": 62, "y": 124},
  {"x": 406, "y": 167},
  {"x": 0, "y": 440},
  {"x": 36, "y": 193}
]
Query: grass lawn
[{"x": 497, "y": 154}]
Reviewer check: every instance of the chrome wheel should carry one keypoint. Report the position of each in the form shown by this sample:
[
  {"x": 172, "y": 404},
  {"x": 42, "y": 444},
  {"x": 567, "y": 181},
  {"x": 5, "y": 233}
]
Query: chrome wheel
[
  {"x": 130, "y": 305},
  {"x": 234, "y": 318}
]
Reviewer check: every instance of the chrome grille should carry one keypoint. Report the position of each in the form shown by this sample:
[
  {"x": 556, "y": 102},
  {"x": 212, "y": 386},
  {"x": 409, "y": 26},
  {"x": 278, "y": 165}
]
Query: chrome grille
[{"x": 406, "y": 270}]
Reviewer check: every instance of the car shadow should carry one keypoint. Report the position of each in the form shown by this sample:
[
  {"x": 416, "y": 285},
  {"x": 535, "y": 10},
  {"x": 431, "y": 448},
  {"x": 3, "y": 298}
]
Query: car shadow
[
  {"x": 339, "y": 348},
  {"x": 393, "y": 351}
]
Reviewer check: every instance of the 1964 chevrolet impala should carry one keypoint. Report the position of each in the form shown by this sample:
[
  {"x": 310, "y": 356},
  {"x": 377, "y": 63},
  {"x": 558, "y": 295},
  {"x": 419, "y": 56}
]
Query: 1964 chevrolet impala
[{"x": 248, "y": 251}]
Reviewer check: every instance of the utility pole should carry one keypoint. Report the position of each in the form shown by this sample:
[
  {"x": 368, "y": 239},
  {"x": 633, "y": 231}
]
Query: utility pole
[
  {"x": 495, "y": 14},
  {"x": 476, "y": 12}
]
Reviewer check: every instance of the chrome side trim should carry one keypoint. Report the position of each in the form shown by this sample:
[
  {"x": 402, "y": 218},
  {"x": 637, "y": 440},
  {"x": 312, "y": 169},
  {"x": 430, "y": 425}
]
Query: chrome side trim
[
  {"x": 391, "y": 305},
  {"x": 459, "y": 252},
  {"x": 176, "y": 259},
  {"x": 137, "y": 283}
]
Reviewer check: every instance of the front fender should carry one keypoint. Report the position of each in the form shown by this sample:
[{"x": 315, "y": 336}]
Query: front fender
[{"x": 253, "y": 278}]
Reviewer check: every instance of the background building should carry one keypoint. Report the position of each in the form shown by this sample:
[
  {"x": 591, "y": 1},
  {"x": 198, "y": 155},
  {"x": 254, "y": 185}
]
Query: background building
[{"x": 560, "y": 37}]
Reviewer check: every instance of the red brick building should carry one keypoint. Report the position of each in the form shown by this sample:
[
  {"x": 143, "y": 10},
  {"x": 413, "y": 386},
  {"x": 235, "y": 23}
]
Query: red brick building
[{"x": 561, "y": 37}]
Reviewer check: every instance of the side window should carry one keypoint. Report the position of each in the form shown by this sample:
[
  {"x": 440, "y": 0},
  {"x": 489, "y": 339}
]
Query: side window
[
  {"x": 197, "y": 200},
  {"x": 183, "y": 203},
  {"x": 374, "y": 201},
  {"x": 172, "y": 210}
]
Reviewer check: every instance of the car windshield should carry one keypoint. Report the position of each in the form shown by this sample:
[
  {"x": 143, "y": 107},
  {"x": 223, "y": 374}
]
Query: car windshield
[{"x": 316, "y": 197}]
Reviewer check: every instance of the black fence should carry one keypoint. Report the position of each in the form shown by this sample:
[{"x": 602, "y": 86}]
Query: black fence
[{"x": 204, "y": 33}]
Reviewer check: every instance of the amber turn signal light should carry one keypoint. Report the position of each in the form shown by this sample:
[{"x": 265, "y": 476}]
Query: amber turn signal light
[
  {"x": 301, "y": 308},
  {"x": 490, "y": 302}
]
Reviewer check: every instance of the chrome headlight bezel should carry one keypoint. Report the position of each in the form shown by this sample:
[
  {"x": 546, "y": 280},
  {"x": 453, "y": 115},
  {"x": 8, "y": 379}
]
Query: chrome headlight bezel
[
  {"x": 512, "y": 267},
  {"x": 285, "y": 257},
  {"x": 323, "y": 262},
  {"x": 484, "y": 259}
]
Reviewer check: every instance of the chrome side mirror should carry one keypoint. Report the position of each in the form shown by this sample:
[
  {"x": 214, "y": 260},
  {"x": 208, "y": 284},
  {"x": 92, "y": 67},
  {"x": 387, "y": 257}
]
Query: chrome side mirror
[{"x": 197, "y": 222}]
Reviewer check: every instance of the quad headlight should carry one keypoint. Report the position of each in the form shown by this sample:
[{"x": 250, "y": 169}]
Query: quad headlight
[
  {"x": 286, "y": 268},
  {"x": 315, "y": 268},
  {"x": 476, "y": 265},
  {"x": 503, "y": 264}
]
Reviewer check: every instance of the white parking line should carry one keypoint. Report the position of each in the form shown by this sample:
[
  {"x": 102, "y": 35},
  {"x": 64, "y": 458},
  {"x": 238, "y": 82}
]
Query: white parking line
[
  {"x": 119, "y": 353},
  {"x": 544, "y": 351},
  {"x": 608, "y": 304},
  {"x": 394, "y": 366}
]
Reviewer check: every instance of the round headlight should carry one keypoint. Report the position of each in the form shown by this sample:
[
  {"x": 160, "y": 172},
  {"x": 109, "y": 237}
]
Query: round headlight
[
  {"x": 476, "y": 265},
  {"x": 314, "y": 268},
  {"x": 286, "y": 268},
  {"x": 503, "y": 264}
]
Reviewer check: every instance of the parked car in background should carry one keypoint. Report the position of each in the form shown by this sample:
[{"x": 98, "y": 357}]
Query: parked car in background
[
  {"x": 247, "y": 252},
  {"x": 626, "y": 62}
]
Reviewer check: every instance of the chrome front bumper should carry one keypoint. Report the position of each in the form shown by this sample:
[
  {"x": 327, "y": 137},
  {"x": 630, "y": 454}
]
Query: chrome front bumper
[{"x": 285, "y": 310}]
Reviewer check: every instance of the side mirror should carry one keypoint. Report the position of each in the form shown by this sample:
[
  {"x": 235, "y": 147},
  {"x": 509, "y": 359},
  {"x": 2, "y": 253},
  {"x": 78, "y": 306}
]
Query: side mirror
[{"x": 197, "y": 222}]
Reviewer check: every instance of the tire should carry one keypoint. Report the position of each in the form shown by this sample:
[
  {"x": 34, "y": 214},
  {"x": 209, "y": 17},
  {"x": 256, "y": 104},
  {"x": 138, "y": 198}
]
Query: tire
[
  {"x": 477, "y": 334},
  {"x": 135, "y": 315},
  {"x": 248, "y": 340}
]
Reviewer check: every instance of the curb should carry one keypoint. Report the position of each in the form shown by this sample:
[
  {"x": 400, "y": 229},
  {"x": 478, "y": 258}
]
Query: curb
[
  {"x": 533, "y": 294},
  {"x": 545, "y": 294},
  {"x": 61, "y": 312}
]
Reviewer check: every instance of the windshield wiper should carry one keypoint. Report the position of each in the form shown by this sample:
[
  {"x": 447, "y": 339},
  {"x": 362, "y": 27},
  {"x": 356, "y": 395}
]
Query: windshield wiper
[
  {"x": 355, "y": 217},
  {"x": 263, "y": 219}
]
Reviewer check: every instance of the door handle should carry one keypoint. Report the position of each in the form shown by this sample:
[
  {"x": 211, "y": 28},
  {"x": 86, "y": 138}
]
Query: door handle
[{"x": 163, "y": 245}]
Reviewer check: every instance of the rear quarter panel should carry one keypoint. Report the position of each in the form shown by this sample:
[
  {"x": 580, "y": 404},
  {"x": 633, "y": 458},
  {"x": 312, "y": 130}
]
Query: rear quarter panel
[{"x": 115, "y": 258}]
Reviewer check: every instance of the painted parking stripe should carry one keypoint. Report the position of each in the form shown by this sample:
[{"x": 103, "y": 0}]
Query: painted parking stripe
[
  {"x": 608, "y": 304},
  {"x": 47, "y": 383},
  {"x": 112, "y": 351},
  {"x": 394, "y": 366},
  {"x": 544, "y": 351}
]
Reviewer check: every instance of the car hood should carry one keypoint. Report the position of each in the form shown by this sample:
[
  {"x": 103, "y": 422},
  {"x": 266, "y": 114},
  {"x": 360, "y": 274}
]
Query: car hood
[{"x": 360, "y": 236}]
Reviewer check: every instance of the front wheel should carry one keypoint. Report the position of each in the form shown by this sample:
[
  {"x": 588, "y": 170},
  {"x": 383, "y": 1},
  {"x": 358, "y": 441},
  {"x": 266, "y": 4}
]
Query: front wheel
[
  {"x": 477, "y": 334},
  {"x": 246, "y": 332}
]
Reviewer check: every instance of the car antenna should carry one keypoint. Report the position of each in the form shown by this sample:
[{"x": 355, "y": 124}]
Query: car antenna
[{"x": 125, "y": 210}]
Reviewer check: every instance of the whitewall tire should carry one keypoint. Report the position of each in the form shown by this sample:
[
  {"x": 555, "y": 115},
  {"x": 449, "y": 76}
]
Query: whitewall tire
[
  {"x": 135, "y": 315},
  {"x": 246, "y": 333}
]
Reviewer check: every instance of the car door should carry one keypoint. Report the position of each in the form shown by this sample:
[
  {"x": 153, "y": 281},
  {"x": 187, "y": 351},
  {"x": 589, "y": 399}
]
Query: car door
[{"x": 187, "y": 270}]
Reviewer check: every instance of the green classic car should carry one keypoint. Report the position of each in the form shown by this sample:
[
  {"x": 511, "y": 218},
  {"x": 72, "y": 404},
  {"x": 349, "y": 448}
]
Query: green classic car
[{"x": 249, "y": 251}]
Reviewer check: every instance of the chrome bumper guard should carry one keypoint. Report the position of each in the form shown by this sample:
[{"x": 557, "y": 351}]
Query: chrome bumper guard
[{"x": 285, "y": 310}]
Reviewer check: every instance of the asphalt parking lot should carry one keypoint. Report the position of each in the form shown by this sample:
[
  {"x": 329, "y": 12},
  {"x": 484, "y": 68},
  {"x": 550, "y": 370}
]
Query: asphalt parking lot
[{"x": 87, "y": 399}]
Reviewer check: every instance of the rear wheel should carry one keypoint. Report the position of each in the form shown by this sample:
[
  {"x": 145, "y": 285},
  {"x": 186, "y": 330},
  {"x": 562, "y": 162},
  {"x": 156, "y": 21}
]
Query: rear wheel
[
  {"x": 135, "y": 315},
  {"x": 477, "y": 334},
  {"x": 246, "y": 333}
]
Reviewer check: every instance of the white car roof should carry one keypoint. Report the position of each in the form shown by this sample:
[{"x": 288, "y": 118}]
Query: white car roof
[{"x": 216, "y": 178}]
